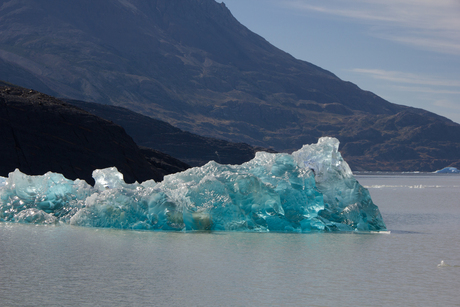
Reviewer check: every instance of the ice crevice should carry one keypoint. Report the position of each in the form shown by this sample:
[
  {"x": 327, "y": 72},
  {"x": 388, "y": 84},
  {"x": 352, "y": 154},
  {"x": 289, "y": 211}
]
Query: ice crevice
[{"x": 312, "y": 189}]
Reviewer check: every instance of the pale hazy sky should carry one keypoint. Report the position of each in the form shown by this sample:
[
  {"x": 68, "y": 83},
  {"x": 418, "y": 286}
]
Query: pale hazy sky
[{"x": 405, "y": 51}]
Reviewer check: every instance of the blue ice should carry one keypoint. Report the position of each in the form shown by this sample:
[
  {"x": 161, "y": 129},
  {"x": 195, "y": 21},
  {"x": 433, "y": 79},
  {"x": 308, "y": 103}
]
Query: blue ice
[
  {"x": 312, "y": 189},
  {"x": 448, "y": 170}
]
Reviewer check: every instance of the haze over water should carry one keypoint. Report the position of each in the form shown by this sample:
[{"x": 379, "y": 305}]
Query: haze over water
[{"x": 68, "y": 266}]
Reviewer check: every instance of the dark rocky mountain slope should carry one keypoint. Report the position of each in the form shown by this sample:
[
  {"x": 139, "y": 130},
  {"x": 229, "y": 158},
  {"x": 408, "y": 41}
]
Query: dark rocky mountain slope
[
  {"x": 39, "y": 133},
  {"x": 192, "y": 64},
  {"x": 394, "y": 143},
  {"x": 190, "y": 148}
]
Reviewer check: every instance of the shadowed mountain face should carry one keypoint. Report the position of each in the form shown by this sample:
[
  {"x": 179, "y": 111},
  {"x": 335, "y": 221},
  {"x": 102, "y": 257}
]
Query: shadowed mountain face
[
  {"x": 190, "y": 148},
  {"x": 401, "y": 142},
  {"x": 39, "y": 133},
  {"x": 193, "y": 65}
]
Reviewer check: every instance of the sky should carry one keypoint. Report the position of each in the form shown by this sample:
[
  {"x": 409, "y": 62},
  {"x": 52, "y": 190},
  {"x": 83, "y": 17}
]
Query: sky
[{"x": 405, "y": 51}]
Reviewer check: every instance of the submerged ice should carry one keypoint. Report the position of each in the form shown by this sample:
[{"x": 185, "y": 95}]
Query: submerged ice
[{"x": 312, "y": 189}]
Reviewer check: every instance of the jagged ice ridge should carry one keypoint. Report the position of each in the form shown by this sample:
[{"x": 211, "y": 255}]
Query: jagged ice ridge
[{"x": 312, "y": 189}]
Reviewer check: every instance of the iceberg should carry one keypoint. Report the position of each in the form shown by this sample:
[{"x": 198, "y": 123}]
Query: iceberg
[
  {"x": 312, "y": 189},
  {"x": 448, "y": 170}
]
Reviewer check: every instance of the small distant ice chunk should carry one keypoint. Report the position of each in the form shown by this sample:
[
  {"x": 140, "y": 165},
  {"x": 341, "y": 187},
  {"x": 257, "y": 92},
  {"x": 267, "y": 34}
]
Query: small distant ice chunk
[
  {"x": 448, "y": 170},
  {"x": 443, "y": 264}
]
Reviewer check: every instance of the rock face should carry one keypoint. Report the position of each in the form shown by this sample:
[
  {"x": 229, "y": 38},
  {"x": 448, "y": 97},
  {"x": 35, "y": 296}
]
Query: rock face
[
  {"x": 193, "y": 149},
  {"x": 405, "y": 141},
  {"x": 409, "y": 140},
  {"x": 39, "y": 133},
  {"x": 192, "y": 64}
]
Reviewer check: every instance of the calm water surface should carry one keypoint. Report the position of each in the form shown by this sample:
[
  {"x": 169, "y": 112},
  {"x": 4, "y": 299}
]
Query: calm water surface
[{"x": 72, "y": 266}]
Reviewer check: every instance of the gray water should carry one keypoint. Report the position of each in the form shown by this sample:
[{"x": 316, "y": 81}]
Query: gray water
[{"x": 74, "y": 266}]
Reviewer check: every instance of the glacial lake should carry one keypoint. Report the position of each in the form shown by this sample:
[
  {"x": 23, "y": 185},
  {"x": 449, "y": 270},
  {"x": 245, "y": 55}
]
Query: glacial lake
[{"x": 76, "y": 266}]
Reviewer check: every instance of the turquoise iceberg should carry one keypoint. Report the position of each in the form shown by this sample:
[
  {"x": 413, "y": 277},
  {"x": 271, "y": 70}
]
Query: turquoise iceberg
[{"x": 312, "y": 189}]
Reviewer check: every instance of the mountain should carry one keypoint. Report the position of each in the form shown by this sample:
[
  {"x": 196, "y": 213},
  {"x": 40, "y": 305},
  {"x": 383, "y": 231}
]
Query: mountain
[
  {"x": 40, "y": 133},
  {"x": 192, "y": 64},
  {"x": 151, "y": 133}
]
